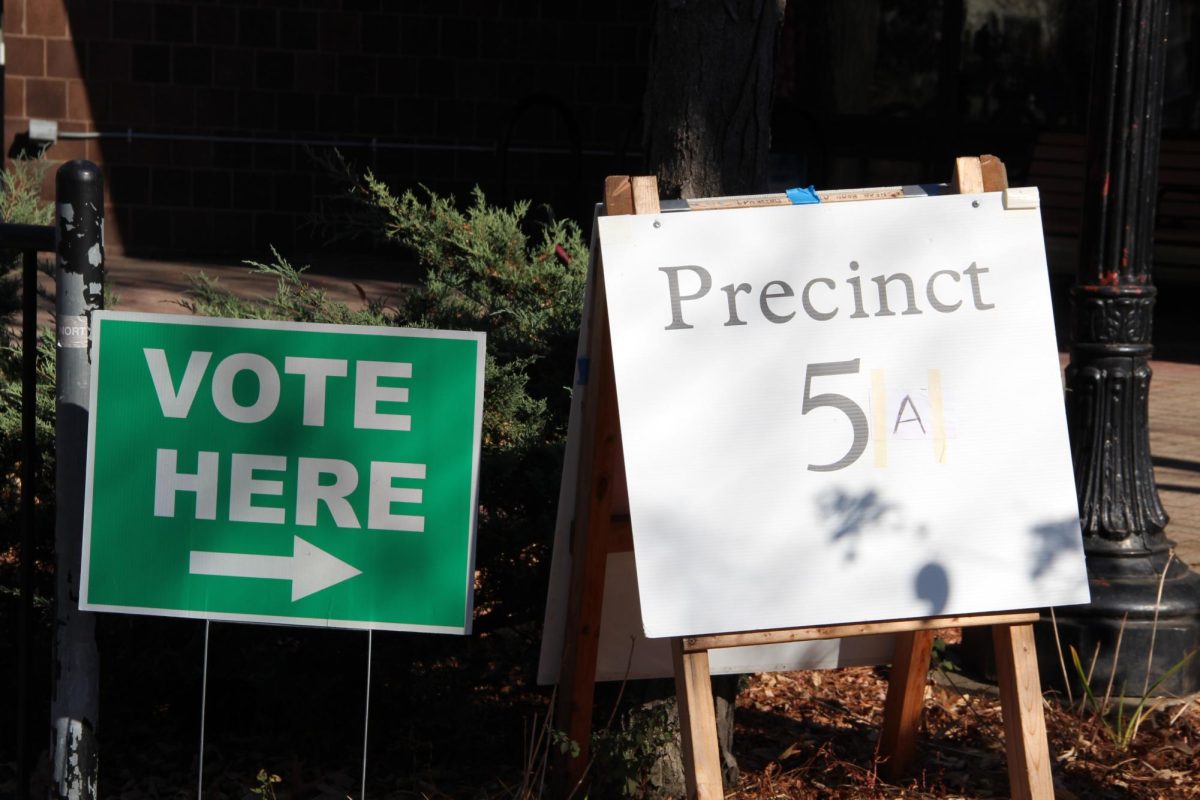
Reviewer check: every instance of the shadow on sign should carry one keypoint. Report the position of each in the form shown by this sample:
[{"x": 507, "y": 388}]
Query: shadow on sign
[
  {"x": 852, "y": 515},
  {"x": 1054, "y": 539},
  {"x": 933, "y": 587}
]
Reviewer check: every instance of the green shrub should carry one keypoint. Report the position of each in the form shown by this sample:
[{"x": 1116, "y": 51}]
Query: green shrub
[
  {"x": 21, "y": 203},
  {"x": 482, "y": 272}
]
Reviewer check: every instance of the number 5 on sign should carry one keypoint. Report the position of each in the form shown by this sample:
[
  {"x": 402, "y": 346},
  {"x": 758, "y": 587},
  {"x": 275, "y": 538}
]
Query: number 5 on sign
[{"x": 903, "y": 414}]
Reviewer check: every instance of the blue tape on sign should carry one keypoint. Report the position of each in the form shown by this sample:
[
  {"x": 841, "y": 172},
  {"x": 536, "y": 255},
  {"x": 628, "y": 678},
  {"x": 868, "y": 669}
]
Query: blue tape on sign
[
  {"x": 581, "y": 371},
  {"x": 802, "y": 197}
]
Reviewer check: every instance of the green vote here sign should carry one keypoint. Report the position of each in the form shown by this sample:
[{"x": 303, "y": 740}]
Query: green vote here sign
[{"x": 282, "y": 472}]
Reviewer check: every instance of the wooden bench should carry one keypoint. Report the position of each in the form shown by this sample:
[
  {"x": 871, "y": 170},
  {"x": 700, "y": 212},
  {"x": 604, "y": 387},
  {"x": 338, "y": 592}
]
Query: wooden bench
[{"x": 1057, "y": 168}]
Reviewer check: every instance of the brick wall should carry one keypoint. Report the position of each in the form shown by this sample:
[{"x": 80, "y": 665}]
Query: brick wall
[{"x": 434, "y": 84}]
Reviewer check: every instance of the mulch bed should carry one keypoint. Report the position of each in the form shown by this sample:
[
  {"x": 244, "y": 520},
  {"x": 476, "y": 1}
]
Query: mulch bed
[
  {"x": 813, "y": 735},
  {"x": 449, "y": 722}
]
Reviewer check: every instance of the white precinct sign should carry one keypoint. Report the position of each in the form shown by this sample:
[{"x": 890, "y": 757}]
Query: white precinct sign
[
  {"x": 623, "y": 653},
  {"x": 840, "y": 413}
]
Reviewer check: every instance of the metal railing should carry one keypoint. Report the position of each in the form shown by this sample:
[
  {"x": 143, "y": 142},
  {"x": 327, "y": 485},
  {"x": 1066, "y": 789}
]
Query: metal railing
[{"x": 29, "y": 240}]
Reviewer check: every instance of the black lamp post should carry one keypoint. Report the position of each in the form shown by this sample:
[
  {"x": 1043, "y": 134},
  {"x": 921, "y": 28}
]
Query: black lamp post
[{"x": 1139, "y": 593}]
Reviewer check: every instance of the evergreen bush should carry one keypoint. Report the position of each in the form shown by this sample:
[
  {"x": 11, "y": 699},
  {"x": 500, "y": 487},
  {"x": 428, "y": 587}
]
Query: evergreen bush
[
  {"x": 485, "y": 269},
  {"x": 21, "y": 203}
]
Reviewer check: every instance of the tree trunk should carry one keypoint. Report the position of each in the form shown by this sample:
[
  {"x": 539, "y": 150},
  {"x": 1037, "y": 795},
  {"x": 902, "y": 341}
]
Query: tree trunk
[
  {"x": 708, "y": 95},
  {"x": 708, "y": 133}
]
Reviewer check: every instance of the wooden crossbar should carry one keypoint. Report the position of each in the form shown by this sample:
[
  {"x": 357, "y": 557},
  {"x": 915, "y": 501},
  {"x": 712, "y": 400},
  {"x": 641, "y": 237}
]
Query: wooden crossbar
[{"x": 694, "y": 644}]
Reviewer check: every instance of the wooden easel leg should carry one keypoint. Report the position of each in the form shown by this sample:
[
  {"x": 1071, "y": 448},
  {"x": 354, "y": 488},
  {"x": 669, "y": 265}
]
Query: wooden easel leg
[
  {"x": 600, "y": 438},
  {"x": 905, "y": 700},
  {"x": 1029, "y": 774},
  {"x": 697, "y": 724}
]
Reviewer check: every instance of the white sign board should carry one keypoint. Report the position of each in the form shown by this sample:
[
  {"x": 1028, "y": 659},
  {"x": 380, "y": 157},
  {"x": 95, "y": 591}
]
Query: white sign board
[
  {"x": 840, "y": 413},
  {"x": 623, "y": 651}
]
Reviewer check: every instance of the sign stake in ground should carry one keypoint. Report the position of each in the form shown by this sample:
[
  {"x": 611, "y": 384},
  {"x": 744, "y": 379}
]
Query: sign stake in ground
[{"x": 283, "y": 472}]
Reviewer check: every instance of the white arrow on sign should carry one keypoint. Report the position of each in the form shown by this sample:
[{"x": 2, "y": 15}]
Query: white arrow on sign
[{"x": 309, "y": 568}]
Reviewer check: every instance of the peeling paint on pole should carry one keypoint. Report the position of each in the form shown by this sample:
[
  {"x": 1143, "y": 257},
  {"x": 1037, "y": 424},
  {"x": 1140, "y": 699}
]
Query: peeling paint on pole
[
  {"x": 74, "y": 760},
  {"x": 74, "y": 709}
]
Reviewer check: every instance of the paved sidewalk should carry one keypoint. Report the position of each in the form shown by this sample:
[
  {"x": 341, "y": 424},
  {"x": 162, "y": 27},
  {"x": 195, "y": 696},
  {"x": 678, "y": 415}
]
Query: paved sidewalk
[
  {"x": 157, "y": 286},
  {"x": 146, "y": 285},
  {"x": 1175, "y": 446}
]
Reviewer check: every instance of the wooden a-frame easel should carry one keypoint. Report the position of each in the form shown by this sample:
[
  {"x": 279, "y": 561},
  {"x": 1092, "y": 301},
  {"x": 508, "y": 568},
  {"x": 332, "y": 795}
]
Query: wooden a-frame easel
[{"x": 602, "y": 526}]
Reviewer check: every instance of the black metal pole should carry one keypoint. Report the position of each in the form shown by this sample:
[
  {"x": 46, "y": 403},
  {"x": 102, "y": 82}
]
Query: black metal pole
[
  {"x": 1108, "y": 379},
  {"x": 74, "y": 708}
]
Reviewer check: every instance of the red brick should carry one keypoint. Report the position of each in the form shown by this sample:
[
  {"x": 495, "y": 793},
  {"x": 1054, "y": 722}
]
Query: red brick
[
  {"x": 233, "y": 67},
  {"x": 356, "y": 73},
  {"x": 316, "y": 73},
  {"x": 46, "y": 18},
  {"x": 132, "y": 104},
  {"x": 109, "y": 63},
  {"x": 174, "y": 23},
  {"x": 194, "y": 231},
  {"x": 216, "y": 108},
  {"x": 13, "y": 124},
  {"x": 257, "y": 27},
  {"x": 171, "y": 187},
  {"x": 231, "y": 232},
  {"x": 14, "y": 96},
  {"x": 340, "y": 32},
  {"x": 129, "y": 184},
  {"x": 62, "y": 58},
  {"x": 256, "y": 110},
  {"x": 46, "y": 98},
  {"x": 14, "y": 16},
  {"x": 191, "y": 154},
  {"x": 275, "y": 230},
  {"x": 121, "y": 151},
  {"x": 481, "y": 8},
  {"x": 26, "y": 56},
  {"x": 192, "y": 66},
  {"x": 79, "y": 104},
  {"x": 296, "y": 111},
  {"x": 398, "y": 76},
  {"x": 68, "y": 150},
  {"x": 150, "y": 228},
  {"x": 153, "y": 151},
  {"x": 90, "y": 20},
  {"x": 115, "y": 221},
  {"x": 174, "y": 106},
  {"x": 99, "y": 104},
  {"x": 298, "y": 30},
  {"x": 132, "y": 22},
  {"x": 216, "y": 25}
]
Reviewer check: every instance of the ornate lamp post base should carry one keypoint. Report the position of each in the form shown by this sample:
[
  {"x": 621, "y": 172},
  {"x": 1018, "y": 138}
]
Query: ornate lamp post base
[
  {"x": 1144, "y": 617},
  {"x": 1140, "y": 597},
  {"x": 1129, "y": 631}
]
